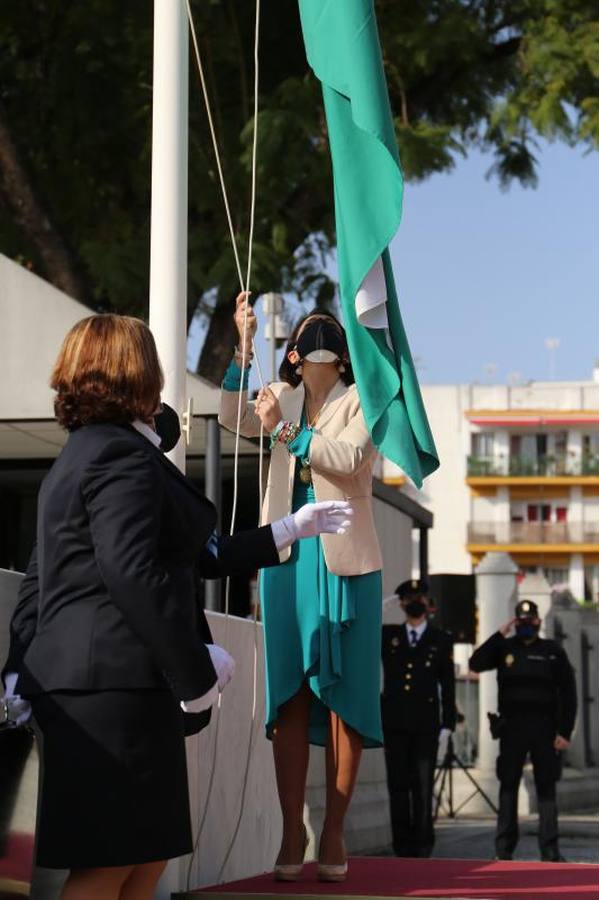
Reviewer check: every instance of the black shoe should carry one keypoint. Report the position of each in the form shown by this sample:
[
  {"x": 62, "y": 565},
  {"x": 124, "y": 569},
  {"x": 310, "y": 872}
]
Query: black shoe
[
  {"x": 553, "y": 857},
  {"x": 507, "y": 856}
]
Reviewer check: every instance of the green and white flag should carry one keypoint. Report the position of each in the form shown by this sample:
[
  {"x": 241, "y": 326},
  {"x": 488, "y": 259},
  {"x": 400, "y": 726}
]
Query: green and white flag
[{"x": 342, "y": 46}]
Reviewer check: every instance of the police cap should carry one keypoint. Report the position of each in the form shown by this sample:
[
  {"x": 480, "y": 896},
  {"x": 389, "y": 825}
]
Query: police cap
[
  {"x": 527, "y": 609},
  {"x": 416, "y": 587}
]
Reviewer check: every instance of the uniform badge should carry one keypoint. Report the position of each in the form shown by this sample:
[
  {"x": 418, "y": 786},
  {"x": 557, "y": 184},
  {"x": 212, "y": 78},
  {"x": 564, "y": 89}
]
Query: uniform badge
[{"x": 509, "y": 660}]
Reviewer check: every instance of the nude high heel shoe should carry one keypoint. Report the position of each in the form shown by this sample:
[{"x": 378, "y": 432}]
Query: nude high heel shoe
[
  {"x": 332, "y": 872},
  {"x": 291, "y": 871}
]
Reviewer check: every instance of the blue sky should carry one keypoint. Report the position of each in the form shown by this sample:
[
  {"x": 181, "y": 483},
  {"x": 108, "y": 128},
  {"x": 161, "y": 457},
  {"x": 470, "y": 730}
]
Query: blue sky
[{"x": 484, "y": 277}]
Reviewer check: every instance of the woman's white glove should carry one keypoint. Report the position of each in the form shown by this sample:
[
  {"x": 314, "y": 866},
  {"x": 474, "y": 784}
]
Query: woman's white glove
[
  {"x": 327, "y": 516},
  {"x": 224, "y": 666},
  {"x": 223, "y": 663},
  {"x": 19, "y": 710},
  {"x": 443, "y": 745}
]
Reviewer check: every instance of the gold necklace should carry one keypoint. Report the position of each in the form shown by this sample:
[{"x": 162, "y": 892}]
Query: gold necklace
[{"x": 305, "y": 473}]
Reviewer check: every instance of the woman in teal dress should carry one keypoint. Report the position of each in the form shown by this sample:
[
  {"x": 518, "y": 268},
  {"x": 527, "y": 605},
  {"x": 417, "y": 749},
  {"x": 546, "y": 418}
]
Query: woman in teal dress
[{"x": 322, "y": 629}]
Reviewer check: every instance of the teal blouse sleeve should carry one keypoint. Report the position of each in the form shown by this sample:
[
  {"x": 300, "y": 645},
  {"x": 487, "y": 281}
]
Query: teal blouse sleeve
[
  {"x": 232, "y": 380},
  {"x": 300, "y": 446}
]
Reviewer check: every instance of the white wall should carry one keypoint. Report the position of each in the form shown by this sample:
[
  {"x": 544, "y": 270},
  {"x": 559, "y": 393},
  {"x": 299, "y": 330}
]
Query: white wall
[
  {"x": 591, "y": 509},
  {"x": 258, "y": 839},
  {"x": 445, "y": 491},
  {"x": 34, "y": 318},
  {"x": 395, "y": 537}
]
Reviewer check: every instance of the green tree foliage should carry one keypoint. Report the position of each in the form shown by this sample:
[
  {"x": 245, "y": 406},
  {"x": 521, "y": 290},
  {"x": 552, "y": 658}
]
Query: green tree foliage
[{"x": 75, "y": 128}]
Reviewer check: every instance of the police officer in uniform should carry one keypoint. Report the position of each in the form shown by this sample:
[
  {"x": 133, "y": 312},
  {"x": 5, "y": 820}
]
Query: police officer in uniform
[
  {"x": 537, "y": 711},
  {"x": 418, "y": 672}
]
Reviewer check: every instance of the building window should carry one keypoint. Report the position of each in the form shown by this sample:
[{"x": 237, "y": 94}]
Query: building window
[
  {"x": 538, "y": 512},
  {"x": 557, "y": 576},
  {"x": 482, "y": 444}
]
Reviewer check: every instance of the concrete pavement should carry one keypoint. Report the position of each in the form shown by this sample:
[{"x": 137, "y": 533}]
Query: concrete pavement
[{"x": 469, "y": 838}]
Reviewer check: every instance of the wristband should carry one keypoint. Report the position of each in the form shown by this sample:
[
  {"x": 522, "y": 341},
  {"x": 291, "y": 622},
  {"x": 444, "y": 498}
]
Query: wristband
[
  {"x": 284, "y": 433},
  {"x": 274, "y": 434},
  {"x": 239, "y": 354}
]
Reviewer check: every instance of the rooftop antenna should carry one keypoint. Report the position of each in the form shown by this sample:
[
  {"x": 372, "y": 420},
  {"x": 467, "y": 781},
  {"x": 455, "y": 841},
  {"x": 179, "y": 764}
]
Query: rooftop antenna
[
  {"x": 552, "y": 344},
  {"x": 490, "y": 370}
]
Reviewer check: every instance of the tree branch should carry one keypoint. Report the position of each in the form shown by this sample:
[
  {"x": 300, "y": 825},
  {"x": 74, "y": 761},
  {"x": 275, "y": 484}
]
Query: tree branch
[{"x": 34, "y": 221}]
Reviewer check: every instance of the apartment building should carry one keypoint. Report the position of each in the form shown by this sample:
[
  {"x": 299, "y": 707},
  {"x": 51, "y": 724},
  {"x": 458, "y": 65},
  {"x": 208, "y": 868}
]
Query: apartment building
[{"x": 519, "y": 473}]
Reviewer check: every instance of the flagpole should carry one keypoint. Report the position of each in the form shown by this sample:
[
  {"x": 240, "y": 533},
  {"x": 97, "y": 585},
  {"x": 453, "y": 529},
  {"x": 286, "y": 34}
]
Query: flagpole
[{"x": 168, "y": 235}]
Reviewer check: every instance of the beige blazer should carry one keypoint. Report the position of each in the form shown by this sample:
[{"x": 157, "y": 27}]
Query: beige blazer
[{"x": 341, "y": 457}]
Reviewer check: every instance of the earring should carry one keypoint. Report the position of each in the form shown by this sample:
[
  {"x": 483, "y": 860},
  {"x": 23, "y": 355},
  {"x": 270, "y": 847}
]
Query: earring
[
  {"x": 341, "y": 369},
  {"x": 299, "y": 369}
]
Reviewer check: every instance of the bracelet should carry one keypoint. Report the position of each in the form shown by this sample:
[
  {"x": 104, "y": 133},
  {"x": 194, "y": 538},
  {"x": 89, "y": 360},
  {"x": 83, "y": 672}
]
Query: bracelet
[
  {"x": 274, "y": 434},
  {"x": 288, "y": 433},
  {"x": 284, "y": 433},
  {"x": 239, "y": 354}
]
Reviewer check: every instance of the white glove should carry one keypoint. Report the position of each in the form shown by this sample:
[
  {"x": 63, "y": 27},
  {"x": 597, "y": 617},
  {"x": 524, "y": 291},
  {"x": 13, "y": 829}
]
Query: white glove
[
  {"x": 224, "y": 666},
  {"x": 223, "y": 663},
  {"x": 19, "y": 710},
  {"x": 444, "y": 736},
  {"x": 328, "y": 516}
]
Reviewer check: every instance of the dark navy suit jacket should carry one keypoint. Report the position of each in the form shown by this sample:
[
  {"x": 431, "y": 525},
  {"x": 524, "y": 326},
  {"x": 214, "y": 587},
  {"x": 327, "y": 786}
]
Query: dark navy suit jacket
[
  {"x": 414, "y": 678},
  {"x": 108, "y": 601}
]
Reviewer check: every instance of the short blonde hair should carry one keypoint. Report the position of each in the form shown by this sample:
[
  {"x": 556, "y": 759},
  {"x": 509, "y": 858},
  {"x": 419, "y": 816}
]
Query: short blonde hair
[{"x": 107, "y": 371}]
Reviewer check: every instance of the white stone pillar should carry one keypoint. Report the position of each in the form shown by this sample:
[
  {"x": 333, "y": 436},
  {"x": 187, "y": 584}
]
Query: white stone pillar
[
  {"x": 502, "y": 514},
  {"x": 496, "y": 599},
  {"x": 168, "y": 245},
  {"x": 576, "y": 505},
  {"x": 501, "y": 452},
  {"x": 537, "y": 588},
  {"x": 576, "y": 578},
  {"x": 574, "y": 450}
]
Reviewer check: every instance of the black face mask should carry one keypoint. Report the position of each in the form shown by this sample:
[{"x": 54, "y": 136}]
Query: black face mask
[
  {"x": 321, "y": 338},
  {"x": 526, "y": 630},
  {"x": 168, "y": 428},
  {"x": 415, "y": 608}
]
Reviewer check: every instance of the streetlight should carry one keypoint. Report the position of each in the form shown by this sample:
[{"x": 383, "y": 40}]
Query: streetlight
[
  {"x": 552, "y": 343},
  {"x": 276, "y": 330}
]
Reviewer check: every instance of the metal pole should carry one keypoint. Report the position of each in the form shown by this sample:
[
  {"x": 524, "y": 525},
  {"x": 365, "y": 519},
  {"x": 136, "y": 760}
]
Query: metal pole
[
  {"x": 272, "y": 307},
  {"x": 213, "y": 490},
  {"x": 423, "y": 553},
  {"x": 273, "y": 338},
  {"x": 168, "y": 243}
]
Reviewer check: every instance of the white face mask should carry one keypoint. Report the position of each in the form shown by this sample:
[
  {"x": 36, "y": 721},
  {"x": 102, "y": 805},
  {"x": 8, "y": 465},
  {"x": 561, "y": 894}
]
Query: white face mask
[{"x": 322, "y": 356}]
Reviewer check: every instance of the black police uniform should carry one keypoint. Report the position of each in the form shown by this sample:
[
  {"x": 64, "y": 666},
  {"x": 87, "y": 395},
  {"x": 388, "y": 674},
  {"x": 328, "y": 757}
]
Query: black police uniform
[
  {"x": 412, "y": 717},
  {"x": 537, "y": 701}
]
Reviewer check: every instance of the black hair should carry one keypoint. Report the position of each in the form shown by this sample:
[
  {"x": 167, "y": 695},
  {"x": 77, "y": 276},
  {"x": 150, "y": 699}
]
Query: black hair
[{"x": 287, "y": 371}]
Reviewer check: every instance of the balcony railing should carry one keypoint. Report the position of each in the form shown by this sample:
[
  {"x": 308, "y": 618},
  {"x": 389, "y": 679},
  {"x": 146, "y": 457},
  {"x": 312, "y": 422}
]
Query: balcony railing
[
  {"x": 533, "y": 533},
  {"x": 523, "y": 466}
]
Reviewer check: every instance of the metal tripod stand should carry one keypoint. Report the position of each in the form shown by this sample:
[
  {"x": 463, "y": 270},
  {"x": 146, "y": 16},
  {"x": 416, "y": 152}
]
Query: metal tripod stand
[{"x": 443, "y": 785}]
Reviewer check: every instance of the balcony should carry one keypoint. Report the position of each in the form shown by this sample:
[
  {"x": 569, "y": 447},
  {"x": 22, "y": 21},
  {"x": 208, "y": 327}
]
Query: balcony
[
  {"x": 547, "y": 533},
  {"x": 534, "y": 467}
]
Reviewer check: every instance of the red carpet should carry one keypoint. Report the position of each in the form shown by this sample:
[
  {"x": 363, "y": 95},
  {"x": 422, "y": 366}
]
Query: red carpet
[
  {"x": 15, "y": 866},
  {"x": 16, "y": 857},
  {"x": 459, "y": 878}
]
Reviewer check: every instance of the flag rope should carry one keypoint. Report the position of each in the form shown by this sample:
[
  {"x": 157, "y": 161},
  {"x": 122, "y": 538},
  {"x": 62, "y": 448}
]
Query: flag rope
[{"x": 244, "y": 286}]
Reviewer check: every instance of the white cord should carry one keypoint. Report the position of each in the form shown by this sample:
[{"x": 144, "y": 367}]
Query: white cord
[
  {"x": 221, "y": 177},
  {"x": 244, "y": 287}
]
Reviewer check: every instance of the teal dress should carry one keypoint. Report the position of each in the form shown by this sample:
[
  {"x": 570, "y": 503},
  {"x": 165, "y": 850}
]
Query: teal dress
[{"x": 320, "y": 628}]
